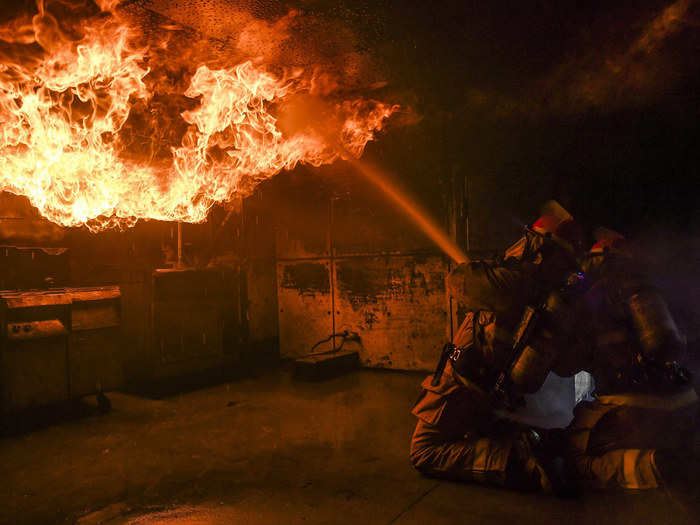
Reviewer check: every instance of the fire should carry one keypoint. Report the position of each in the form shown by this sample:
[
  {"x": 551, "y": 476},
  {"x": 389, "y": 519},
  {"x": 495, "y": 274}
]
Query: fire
[{"x": 65, "y": 114}]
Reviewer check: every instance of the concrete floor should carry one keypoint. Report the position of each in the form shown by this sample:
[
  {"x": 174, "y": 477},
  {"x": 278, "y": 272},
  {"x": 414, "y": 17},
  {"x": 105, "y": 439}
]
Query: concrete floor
[{"x": 269, "y": 450}]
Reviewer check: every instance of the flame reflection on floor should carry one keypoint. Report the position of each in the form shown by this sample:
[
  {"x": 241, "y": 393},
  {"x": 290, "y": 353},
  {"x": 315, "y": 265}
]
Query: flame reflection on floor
[{"x": 187, "y": 515}]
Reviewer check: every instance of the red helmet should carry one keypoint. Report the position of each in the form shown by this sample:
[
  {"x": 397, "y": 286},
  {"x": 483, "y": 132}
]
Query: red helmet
[
  {"x": 558, "y": 224},
  {"x": 610, "y": 241}
]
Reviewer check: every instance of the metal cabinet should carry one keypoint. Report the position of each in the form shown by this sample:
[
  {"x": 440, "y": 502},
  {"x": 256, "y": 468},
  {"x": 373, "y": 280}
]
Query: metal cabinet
[
  {"x": 58, "y": 344},
  {"x": 95, "y": 357},
  {"x": 193, "y": 314},
  {"x": 34, "y": 357}
]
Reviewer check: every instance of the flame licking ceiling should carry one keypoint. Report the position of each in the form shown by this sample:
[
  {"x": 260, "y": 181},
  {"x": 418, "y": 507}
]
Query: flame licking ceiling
[{"x": 75, "y": 98}]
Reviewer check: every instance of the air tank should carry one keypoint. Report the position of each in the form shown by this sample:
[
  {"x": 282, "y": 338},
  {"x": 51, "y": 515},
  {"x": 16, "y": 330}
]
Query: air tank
[{"x": 656, "y": 330}]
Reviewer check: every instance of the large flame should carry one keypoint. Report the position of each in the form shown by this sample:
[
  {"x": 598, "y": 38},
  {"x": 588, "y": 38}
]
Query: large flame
[{"x": 64, "y": 111}]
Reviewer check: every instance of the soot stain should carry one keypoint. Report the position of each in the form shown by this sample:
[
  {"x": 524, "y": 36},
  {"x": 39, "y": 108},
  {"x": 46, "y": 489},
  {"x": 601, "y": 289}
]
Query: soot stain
[{"x": 308, "y": 278}]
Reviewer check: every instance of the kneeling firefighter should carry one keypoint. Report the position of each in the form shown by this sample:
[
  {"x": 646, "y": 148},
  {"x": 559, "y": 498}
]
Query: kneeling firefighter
[
  {"x": 504, "y": 348},
  {"x": 634, "y": 434}
]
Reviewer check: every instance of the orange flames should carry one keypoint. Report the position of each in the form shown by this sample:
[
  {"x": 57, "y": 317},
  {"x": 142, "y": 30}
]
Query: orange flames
[{"x": 65, "y": 111}]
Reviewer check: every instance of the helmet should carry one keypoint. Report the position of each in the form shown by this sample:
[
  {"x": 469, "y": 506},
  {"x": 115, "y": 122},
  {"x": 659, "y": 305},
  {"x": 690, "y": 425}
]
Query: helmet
[
  {"x": 555, "y": 228},
  {"x": 610, "y": 254},
  {"x": 609, "y": 241},
  {"x": 558, "y": 224}
]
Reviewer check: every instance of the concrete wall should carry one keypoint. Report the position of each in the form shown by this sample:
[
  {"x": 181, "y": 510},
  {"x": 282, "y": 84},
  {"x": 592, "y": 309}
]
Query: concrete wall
[{"x": 347, "y": 262}]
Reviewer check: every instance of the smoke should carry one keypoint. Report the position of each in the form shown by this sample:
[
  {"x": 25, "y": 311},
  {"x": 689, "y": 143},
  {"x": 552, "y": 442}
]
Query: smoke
[
  {"x": 264, "y": 32},
  {"x": 630, "y": 64},
  {"x": 641, "y": 71}
]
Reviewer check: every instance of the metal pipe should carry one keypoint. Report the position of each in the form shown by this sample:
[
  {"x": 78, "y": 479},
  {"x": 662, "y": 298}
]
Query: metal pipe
[{"x": 179, "y": 245}]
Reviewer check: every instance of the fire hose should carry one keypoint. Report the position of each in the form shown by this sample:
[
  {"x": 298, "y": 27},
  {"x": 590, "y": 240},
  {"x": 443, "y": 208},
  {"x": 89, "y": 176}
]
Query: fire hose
[{"x": 345, "y": 335}]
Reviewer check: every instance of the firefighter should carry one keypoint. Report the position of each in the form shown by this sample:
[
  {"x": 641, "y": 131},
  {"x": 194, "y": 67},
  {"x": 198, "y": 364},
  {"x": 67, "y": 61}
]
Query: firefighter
[
  {"x": 634, "y": 433},
  {"x": 459, "y": 434}
]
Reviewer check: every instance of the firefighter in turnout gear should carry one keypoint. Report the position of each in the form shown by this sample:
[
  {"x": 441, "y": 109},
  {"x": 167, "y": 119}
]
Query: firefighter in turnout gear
[
  {"x": 644, "y": 408},
  {"x": 504, "y": 348}
]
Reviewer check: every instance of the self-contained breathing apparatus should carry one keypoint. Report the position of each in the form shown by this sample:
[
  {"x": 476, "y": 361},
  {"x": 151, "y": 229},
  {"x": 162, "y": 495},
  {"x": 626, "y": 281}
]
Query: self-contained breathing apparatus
[
  {"x": 528, "y": 364},
  {"x": 655, "y": 342}
]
